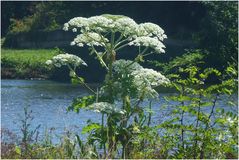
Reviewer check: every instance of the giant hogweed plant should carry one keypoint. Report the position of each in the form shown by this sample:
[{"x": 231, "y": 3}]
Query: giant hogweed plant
[{"x": 127, "y": 84}]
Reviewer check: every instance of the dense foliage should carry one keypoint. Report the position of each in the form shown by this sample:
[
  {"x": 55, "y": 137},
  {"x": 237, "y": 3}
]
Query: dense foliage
[
  {"x": 219, "y": 33},
  {"x": 211, "y": 108}
]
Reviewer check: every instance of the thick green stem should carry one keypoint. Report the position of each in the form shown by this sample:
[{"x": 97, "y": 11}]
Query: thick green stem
[
  {"x": 109, "y": 81},
  {"x": 99, "y": 57},
  {"x": 111, "y": 138},
  {"x": 125, "y": 140},
  {"x": 110, "y": 78}
]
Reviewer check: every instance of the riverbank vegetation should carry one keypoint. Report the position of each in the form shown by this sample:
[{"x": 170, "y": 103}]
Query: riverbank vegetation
[{"x": 25, "y": 63}]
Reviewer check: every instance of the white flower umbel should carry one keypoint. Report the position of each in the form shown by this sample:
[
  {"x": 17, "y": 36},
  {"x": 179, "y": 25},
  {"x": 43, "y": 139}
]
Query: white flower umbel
[
  {"x": 76, "y": 22},
  {"x": 146, "y": 79},
  {"x": 90, "y": 39},
  {"x": 99, "y": 23},
  {"x": 151, "y": 29},
  {"x": 65, "y": 59},
  {"x": 105, "y": 107},
  {"x": 136, "y": 78},
  {"x": 149, "y": 77},
  {"x": 154, "y": 43},
  {"x": 126, "y": 26}
]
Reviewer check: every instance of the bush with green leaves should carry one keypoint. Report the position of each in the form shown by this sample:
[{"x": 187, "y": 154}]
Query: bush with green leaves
[
  {"x": 203, "y": 120},
  {"x": 201, "y": 127}
]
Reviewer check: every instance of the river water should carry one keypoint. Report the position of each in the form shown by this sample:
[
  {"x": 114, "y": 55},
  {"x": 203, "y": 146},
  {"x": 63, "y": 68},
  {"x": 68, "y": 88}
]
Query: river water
[{"x": 48, "y": 101}]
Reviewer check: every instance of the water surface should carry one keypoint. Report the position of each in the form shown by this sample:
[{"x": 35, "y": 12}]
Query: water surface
[{"x": 48, "y": 101}]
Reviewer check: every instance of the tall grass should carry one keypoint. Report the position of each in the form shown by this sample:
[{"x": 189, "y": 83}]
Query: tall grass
[
  {"x": 25, "y": 63},
  {"x": 31, "y": 56}
]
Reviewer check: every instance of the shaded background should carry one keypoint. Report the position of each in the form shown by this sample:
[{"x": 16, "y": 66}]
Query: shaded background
[{"x": 210, "y": 26}]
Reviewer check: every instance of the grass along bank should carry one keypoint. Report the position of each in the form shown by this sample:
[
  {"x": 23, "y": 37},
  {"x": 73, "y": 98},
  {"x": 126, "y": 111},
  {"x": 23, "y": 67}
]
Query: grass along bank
[{"x": 25, "y": 63}]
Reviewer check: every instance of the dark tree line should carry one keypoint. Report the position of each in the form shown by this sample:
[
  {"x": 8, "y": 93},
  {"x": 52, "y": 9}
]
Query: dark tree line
[
  {"x": 212, "y": 25},
  {"x": 174, "y": 17}
]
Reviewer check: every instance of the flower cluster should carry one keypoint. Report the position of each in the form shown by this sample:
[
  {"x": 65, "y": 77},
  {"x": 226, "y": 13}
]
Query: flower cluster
[
  {"x": 148, "y": 42},
  {"x": 126, "y": 26},
  {"x": 139, "y": 81},
  {"x": 92, "y": 30},
  {"x": 146, "y": 79},
  {"x": 76, "y": 22},
  {"x": 105, "y": 107},
  {"x": 89, "y": 38},
  {"x": 149, "y": 77},
  {"x": 65, "y": 59},
  {"x": 99, "y": 23},
  {"x": 151, "y": 29}
]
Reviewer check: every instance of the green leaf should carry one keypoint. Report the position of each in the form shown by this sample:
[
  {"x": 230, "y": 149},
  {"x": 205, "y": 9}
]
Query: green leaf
[
  {"x": 82, "y": 102},
  {"x": 206, "y": 104},
  {"x": 182, "y": 98},
  {"x": 18, "y": 150},
  {"x": 227, "y": 91},
  {"x": 90, "y": 127},
  {"x": 231, "y": 70},
  {"x": 148, "y": 110},
  {"x": 184, "y": 108},
  {"x": 178, "y": 87},
  {"x": 77, "y": 80},
  {"x": 80, "y": 143}
]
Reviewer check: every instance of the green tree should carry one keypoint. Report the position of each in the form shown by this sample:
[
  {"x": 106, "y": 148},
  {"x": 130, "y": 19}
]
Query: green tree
[{"x": 219, "y": 33}]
